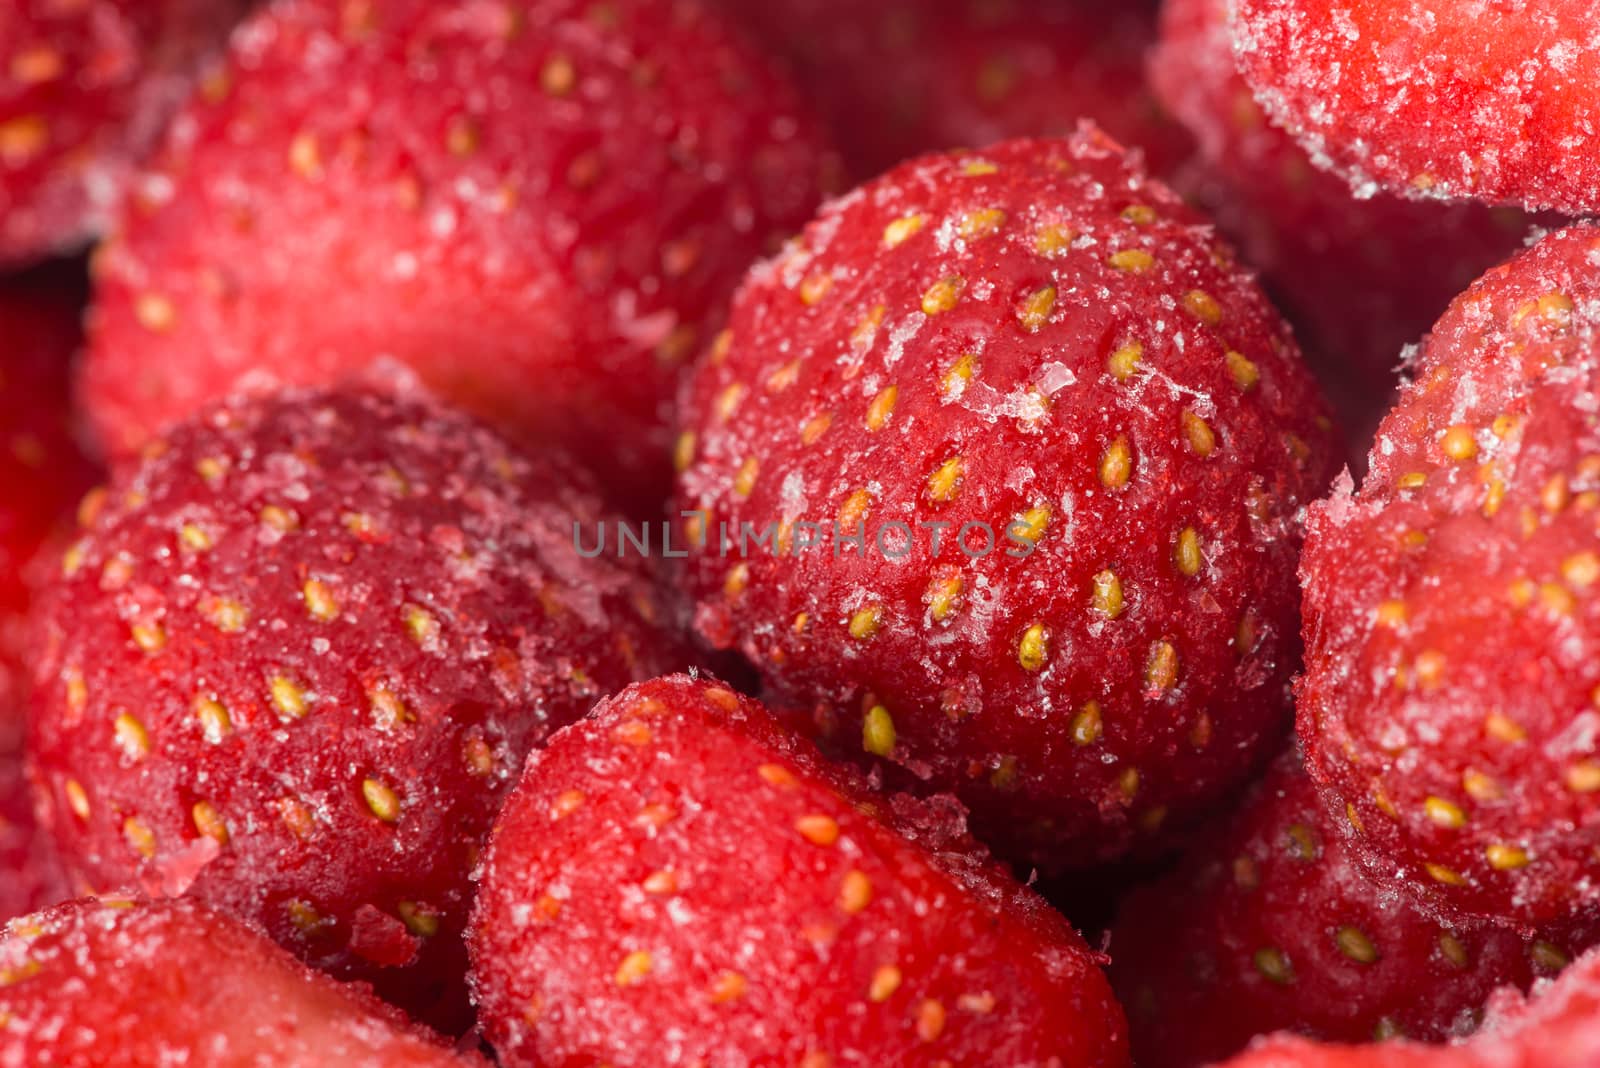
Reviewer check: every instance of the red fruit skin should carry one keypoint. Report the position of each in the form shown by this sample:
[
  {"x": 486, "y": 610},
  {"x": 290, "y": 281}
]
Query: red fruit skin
[
  {"x": 413, "y": 583},
  {"x": 1271, "y": 924},
  {"x": 1360, "y": 279},
  {"x": 1558, "y": 1026},
  {"x": 900, "y": 78},
  {"x": 42, "y": 471},
  {"x": 1486, "y": 102},
  {"x": 85, "y": 89},
  {"x": 122, "y": 981},
  {"x": 1073, "y": 742},
  {"x": 29, "y": 878},
  {"x": 542, "y": 230},
  {"x": 679, "y": 878},
  {"x": 1448, "y": 703}
]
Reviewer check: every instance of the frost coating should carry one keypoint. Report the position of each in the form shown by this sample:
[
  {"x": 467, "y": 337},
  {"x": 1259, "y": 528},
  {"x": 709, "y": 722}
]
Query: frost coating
[
  {"x": 1451, "y": 619},
  {"x": 121, "y": 980},
  {"x": 542, "y": 211},
  {"x": 678, "y": 878},
  {"x": 1275, "y": 910},
  {"x": 1089, "y": 373},
  {"x": 85, "y": 90},
  {"x": 1359, "y": 279},
  {"x": 297, "y": 655},
  {"x": 1492, "y": 100}
]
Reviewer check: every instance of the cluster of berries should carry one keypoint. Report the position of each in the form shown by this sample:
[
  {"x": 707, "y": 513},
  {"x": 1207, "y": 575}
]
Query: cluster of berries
[{"x": 1113, "y": 723}]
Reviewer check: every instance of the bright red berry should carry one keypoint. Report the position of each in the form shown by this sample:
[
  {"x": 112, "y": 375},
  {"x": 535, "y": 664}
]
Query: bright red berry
[
  {"x": 1558, "y": 1026},
  {"x": 679, "y": 877},
  {"x": 117, "y": 981},
  {"x": 295, "y": 662},
  {"x": 1270, "y": 924},
  {"x": 899, "y": 78},
  {"x": 84, "y": 89},
  {"x": 42, "y": 471},
  {"x": 1449, "y": 706},
  {"x": 541, "y": 207},
  {"x": 28, "y": 876},
  {"x": 1360, "y": 279},
  {"x": 1447, "y": 100},
  {"x": 1033, "y": 350}
]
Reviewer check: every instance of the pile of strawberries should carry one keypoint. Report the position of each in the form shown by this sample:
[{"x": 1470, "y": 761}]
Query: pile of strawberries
[{"x": 562, "y": 533}]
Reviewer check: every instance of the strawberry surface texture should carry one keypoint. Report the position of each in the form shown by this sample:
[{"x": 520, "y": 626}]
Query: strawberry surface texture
[
  {"x": 1557, "y": 1026},
  {"x": 1271, "y": 924},
  {"x": 1073, "y": 443},
  {"x": 118, "y": 981},
  {"x": 681, "y": 878},
  {"x": 1449, "y": 705},
  {"x": 42, "y": 470},
  {"x": 899, "y": 78},
  {"x": 85, "y": 88},
  {"x": 296, "y": 658},
  {"x": 800, "y": 533},
  {"x": 539, "y": 206},
  {"x": 29, "y": 878},
  {"x": 1491, "y": 100},
  {"x": 1360, "y": 279}
]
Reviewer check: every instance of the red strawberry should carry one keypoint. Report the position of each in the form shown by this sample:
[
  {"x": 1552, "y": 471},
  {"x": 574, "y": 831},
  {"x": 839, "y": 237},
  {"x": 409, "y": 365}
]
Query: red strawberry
[
  {"x": 298, "y": 657},
  {"x": 540, "y": 206},
  {"x": 679, "y": 879},
  {"x": 1452, "y": 626},
  {"x": 1360, "y": 279},
  {"x": 1557, "y": 1027},
  {"x": 903, "y": 77},
  {"x": 85, "y": 87},
  {"x": 41, "y": 470},
  {"x": 1270, "y": 924},
  {"x": 28, "y": 878},
  {"x": 1040, "y": 342},
  {"x": 1495, "y": 104},
  {"x": 116, "y": 981}
]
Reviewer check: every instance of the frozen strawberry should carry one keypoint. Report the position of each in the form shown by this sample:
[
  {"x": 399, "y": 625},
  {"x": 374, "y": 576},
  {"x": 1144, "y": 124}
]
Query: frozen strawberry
[
  {"x": 42, "y": 472},
  {"x": 118, "y": 981},
  {"x": 900, "y": 78},
  {"x": 538, "y": 206},
  {"x": 1558, "y": 1026},
  {"x": 1360, "y": 279},
  {"x": 678, "y": 878},
  {"x": 298, "y": 657},
  {"x": 1270, "y": 924},
  {"x": 1449, "y": 706},
  {"x": 28, "y": 876},
  {"x": 1070, "y": 441},
  {"x": 1494, "y": 103},
  {"x": 85, "y": 87}
]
